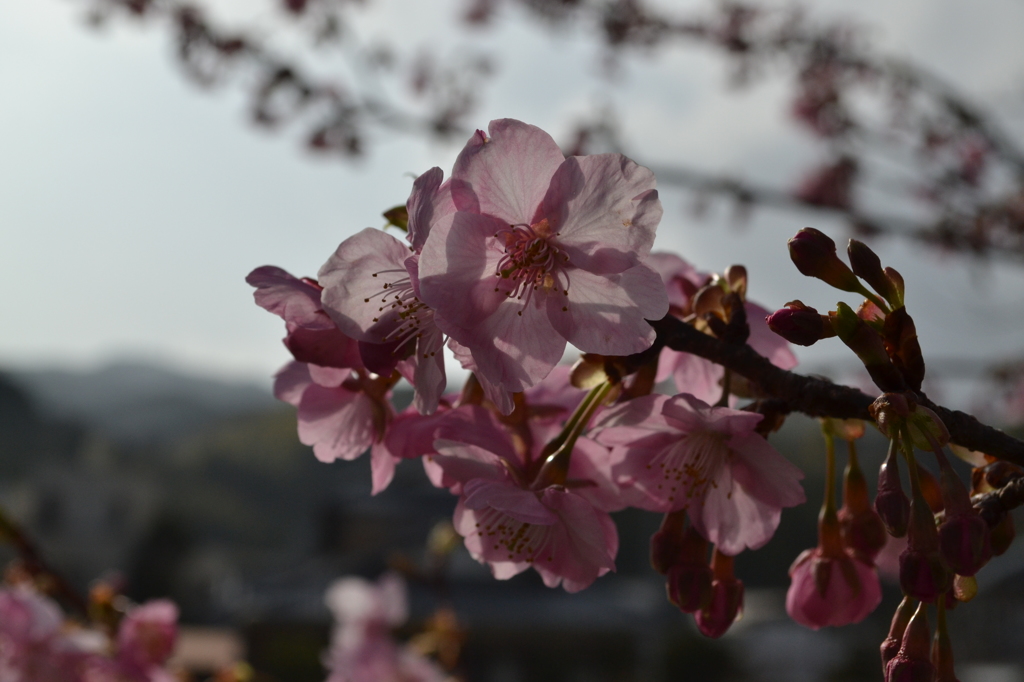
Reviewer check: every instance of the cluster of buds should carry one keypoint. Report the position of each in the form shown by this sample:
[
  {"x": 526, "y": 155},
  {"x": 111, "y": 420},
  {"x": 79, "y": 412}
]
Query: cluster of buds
[
  {"x": 711, "y": 592},
  {"x": 948, "y": 541},
  {"x": 880, "y": 331}
]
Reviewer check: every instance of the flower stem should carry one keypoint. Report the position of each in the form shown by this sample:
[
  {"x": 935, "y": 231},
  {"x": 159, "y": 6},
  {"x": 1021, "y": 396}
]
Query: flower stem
[{"x": 557, "y": 453}]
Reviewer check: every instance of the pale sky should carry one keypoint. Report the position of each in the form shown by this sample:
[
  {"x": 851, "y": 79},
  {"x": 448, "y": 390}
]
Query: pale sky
[{"x": 132, "y": 204}]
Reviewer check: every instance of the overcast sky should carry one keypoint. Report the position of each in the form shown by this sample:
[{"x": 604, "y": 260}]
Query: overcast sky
[{"x": 132, "y": 204}]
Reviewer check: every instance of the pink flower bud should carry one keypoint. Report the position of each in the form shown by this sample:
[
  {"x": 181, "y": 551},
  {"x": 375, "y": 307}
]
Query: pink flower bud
[
  {"x": 147, "y": 635},
  {"x": 912, "y": 663},
  {"x": 894, "y": 640},
  {"x": 814, "y": 255},
  {"x": 799, "y": 324},
  {"x": 891, "y": 503},
  {"x": 726, "y": 605},
  {"x": 689, "y": 586},
  {"x": 866, "y": 265},
  {"x": 965, "y": 543},
  {"x": 864, "y": 534},
  {"x": 923, "y": 574},
  {"x": 831, "y": 590}
]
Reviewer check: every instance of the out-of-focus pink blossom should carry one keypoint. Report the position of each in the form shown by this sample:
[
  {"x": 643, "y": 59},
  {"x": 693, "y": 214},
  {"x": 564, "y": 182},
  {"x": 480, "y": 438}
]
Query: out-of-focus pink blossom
[
  {"x": 362, "y": 648},
  {"x": 679, "y": 453},
  {"x": 543, "y": 250},
  {"x": 146, "y": 637}
]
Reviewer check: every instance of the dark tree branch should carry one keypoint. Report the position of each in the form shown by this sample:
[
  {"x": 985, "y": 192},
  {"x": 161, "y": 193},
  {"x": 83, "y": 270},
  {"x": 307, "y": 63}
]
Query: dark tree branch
[{"x": 818, "y": 397}]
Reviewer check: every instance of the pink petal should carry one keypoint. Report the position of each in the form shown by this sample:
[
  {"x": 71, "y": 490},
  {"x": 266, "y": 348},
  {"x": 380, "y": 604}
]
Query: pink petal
[
  {"x": 338, "y": 423},
  {"x": 583, "y": 546},
  {"x": 288, "y": 297},
  {"x": 429, "y": 202},
  {"x": 382, "y": 468},
  {"x": 681, "y": 279},
  {"x": 605, "y": 211},
  {"x": 506, "y": 497},
  {"x": 514, "y": 347},
  {"x": 353, "y": 296},
  {"x": 291, "y": 381},
  {"x": 329, "y": 377},
  {"x": 607, "y": 313},
  {"x": 764, "y": 473},
  {"x": 457, "y": 266},
  {"x": 590, "y": 474},
  {"x": 466, "y": 522},
  {"x": 508, "y": 175},
  {"x": 324, "y": 347},
  {"x": 730, "y": 518},
  {"x": 692, "y": 374}
]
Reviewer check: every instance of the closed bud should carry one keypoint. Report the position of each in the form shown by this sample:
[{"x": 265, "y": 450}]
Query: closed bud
[
  {"x": 799, "y": 324},
  {"x": 864, "y": 534},
  {"x": 689, "y": 586},
  {"x": 898, "y": 286},
  {"x": 891, "y": 502},
  {"x": 814, "y": 255},
  {"x": 736, "y": 278},
  {"x": 893, "y": 642},
  {"x": 965, "y": 543},
  {"x": 890, "y": 412},
  {"x": 912, "y": 663},
  {"x": 726, "y": 605},
  {"x": 923, "y": 574},
  {"x": 866, "y": 265},
  {"x": 869, "y": 347}
]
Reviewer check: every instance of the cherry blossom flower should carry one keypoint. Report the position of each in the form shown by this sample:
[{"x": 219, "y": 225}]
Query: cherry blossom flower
[
  {"x": 679, "y": 453},
  {"x": 372, "y": 293},
  {"x": 835, "y": 589},
  {"x": 362, "y": 648},
  {"x": 543, "y": 250},
  {"x": 511, "y": 521},
  {"x": 340, "y": 414},
  {"x": 312, "y": 336},
  {"x": 146, "y": 638}
]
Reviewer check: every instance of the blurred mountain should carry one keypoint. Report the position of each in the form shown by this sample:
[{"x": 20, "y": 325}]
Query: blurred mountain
[{"x": 134, "y": 402}]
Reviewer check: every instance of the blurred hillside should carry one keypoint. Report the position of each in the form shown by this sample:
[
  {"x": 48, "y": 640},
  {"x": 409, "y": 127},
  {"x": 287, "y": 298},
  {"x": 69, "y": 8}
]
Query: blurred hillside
[{"x": 200, "y": 490}]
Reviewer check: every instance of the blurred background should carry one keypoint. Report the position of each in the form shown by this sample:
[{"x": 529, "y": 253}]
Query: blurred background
[{"x": 155, "y": 152}]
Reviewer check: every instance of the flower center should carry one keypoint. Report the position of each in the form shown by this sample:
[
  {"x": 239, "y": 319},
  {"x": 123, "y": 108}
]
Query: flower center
[
  {"x": 692, "y": 465},
  {"x": 405, "y": 314},
  {"x": 526, "y": 542},
  {"x": 532, "y": 261}
]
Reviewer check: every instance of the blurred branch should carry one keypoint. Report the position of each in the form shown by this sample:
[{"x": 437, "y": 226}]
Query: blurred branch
[
  {"x": 955, "y": 150},
  {"x": 37, "y": 567}
]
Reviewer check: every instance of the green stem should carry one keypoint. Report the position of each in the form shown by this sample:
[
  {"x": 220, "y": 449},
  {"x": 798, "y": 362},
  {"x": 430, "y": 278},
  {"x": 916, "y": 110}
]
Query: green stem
[
  {"x": 874, "y": 299},
  {"x": 555, "y": 469},
  {"x": 828, "y": 507}
]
